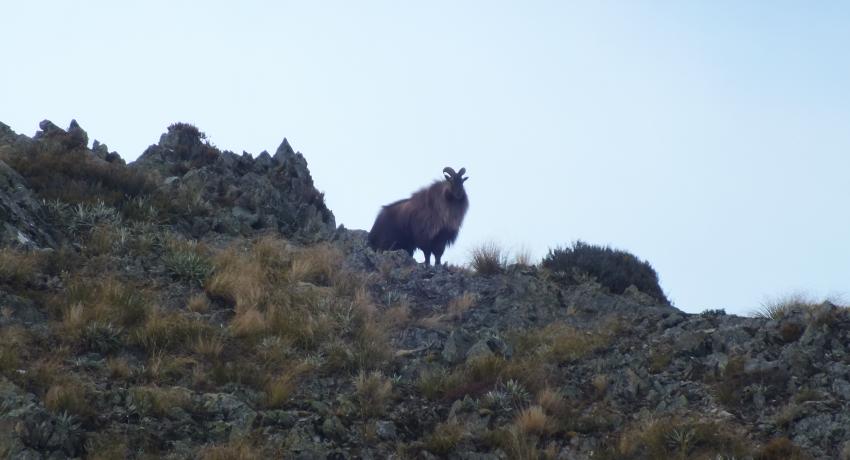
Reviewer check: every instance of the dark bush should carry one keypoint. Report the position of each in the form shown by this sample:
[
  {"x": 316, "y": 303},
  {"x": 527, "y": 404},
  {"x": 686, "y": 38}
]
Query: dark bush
[{"x": 613, "y": 268}]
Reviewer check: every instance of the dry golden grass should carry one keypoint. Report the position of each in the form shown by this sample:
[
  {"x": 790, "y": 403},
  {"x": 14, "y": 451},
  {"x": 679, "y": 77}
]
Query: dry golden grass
[
  {"x": 445, "y": 437},
  {"x": 533, "y": 420},
  {"x": 239, "y": 279},
  {"x": 779, "y": 307},
  {"x": 69, "y": 396},
  {"x": 680, "y": 438},
  {"x": 118, "y": 368},
  {"x": 101, "y": 240},
  {"x": 488, "y": 259},
  {"x": 459, "y": 305},
  {"x": 248, "y": 322},
  {"x": 373, "y": 392},
  {"x": 169, "y": 331},
  {"x": 19, "y": 267},
  {"x": 209, "y": 347},
  {"x": 281, "y": 388},
  {"x": 521, "y": 446},
  {"x": 454, "y": 311},
  {"x": 272, "y": 252},
  {"x": 157, "y": 401},
  {"x": 198, "y": 303},
  {"x": 234, "y": 450},
  {"x": 106, "y": 301},
  {"x": 397, "y": 316},
  {"x": 317, "y": 264},
  {"x": 600, "y": 384},
  {"x": 561, "y": 343},
  {"x": 781, "y": 449},
  {"x": 42, "y": 373},
  {"x": 552, "y": 402},
  {"x": 522, "y": 257},
  {"x": 106, "y": 447},
  {"x": 162, "y": 367}
]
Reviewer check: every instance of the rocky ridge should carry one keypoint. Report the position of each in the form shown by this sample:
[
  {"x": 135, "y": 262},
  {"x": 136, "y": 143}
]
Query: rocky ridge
[{"x": 445, "y": 363}]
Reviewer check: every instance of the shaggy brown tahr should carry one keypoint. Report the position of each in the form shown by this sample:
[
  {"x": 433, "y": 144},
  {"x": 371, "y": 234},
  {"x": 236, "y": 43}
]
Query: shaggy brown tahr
[{"x": 429, "y": 220}]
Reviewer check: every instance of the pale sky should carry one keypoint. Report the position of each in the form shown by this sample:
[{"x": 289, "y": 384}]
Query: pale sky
[{"x": 710, "y": 138}]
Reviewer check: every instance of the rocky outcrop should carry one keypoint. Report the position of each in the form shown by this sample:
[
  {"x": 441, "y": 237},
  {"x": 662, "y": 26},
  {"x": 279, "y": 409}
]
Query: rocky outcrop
[
  {"x": 117, "y": 343},
  {"x": 238, "y": 194},
  {"x": 22, "y": 220}
]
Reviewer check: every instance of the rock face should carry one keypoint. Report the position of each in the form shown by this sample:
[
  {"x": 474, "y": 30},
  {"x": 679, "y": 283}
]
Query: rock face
[
  {"x": 237, "y": 194},
  {"x": 22, "y": 220}
]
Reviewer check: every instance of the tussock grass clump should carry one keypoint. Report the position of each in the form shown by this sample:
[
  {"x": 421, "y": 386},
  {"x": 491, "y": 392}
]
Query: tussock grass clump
[
  {"x": 373, "y": 391},
  {"x": 454, "y": 311},
  {"x": 68, "y": 395},
  {"x": 118, "y": 368},
  {"x": 552, "y": 402},
  {"x": 92, "y": 312},
  {"x": 445, "y": 437},
  {"x": 533, "y": 420},
  {"x": 780, "y": 449},
  {"x": 281, "y": 388},
  {"x": 560, "y": 343},
  {"x": 613, "y": 268},
  {"x": 245, "y": 277},
  {"x": 162, "y": 367},
  {"x": 814, "y": 311},
  {"x": 474, "y": 378},
  {"x": 106, "y": 446},
  {"x": 208, "y": 346},
  {"x": 779, "y": 307},
  {"x": 522, "y": 257},
  {"x": 319, "y": 264},
  {"x": 198, "y": 303},
  {"x": 105, "y": 239},
  {"x": 15, "y": 342},
  {"x": 303, "y": 297},
  {"x": 239, "y": 449},
  {"x": 158, "y": 401},
  {"x": 170, "y": 331},
  {"x": 679, "y": 438},
  {"x": 488, "y": 259},
  {"x": 19, "y": 267}
]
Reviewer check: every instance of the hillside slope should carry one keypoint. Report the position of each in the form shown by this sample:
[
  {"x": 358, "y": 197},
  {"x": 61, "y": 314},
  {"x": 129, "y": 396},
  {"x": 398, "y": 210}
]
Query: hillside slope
[{"x": 202, "y": 304}]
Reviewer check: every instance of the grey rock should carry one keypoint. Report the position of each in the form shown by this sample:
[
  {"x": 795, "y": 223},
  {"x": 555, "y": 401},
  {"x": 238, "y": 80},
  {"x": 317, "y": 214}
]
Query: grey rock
[
  {"x": 479, "y": 350},
  {"x": 841, "y": 388},
  {"x": 22, "y": 221},
  {"x": 239, "y": 417},
  {"x": 386, "y": 430},
  {"x": 239, "y": 195},
  {"x": 456, "y": 346}
]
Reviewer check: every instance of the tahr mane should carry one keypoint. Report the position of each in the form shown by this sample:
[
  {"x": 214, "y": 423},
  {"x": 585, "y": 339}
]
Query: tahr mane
[{"x": 429, "y": 220}]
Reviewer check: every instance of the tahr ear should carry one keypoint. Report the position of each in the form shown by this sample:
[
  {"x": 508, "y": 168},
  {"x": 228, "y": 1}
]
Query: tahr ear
[{"x": 464, "y": 180}]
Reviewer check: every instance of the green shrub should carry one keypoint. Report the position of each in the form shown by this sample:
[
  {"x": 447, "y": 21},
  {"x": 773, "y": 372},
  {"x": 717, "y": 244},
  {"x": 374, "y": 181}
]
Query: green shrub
[
  {"x": 188, "y": 266},
  {"x": 613, "y": 268}
]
